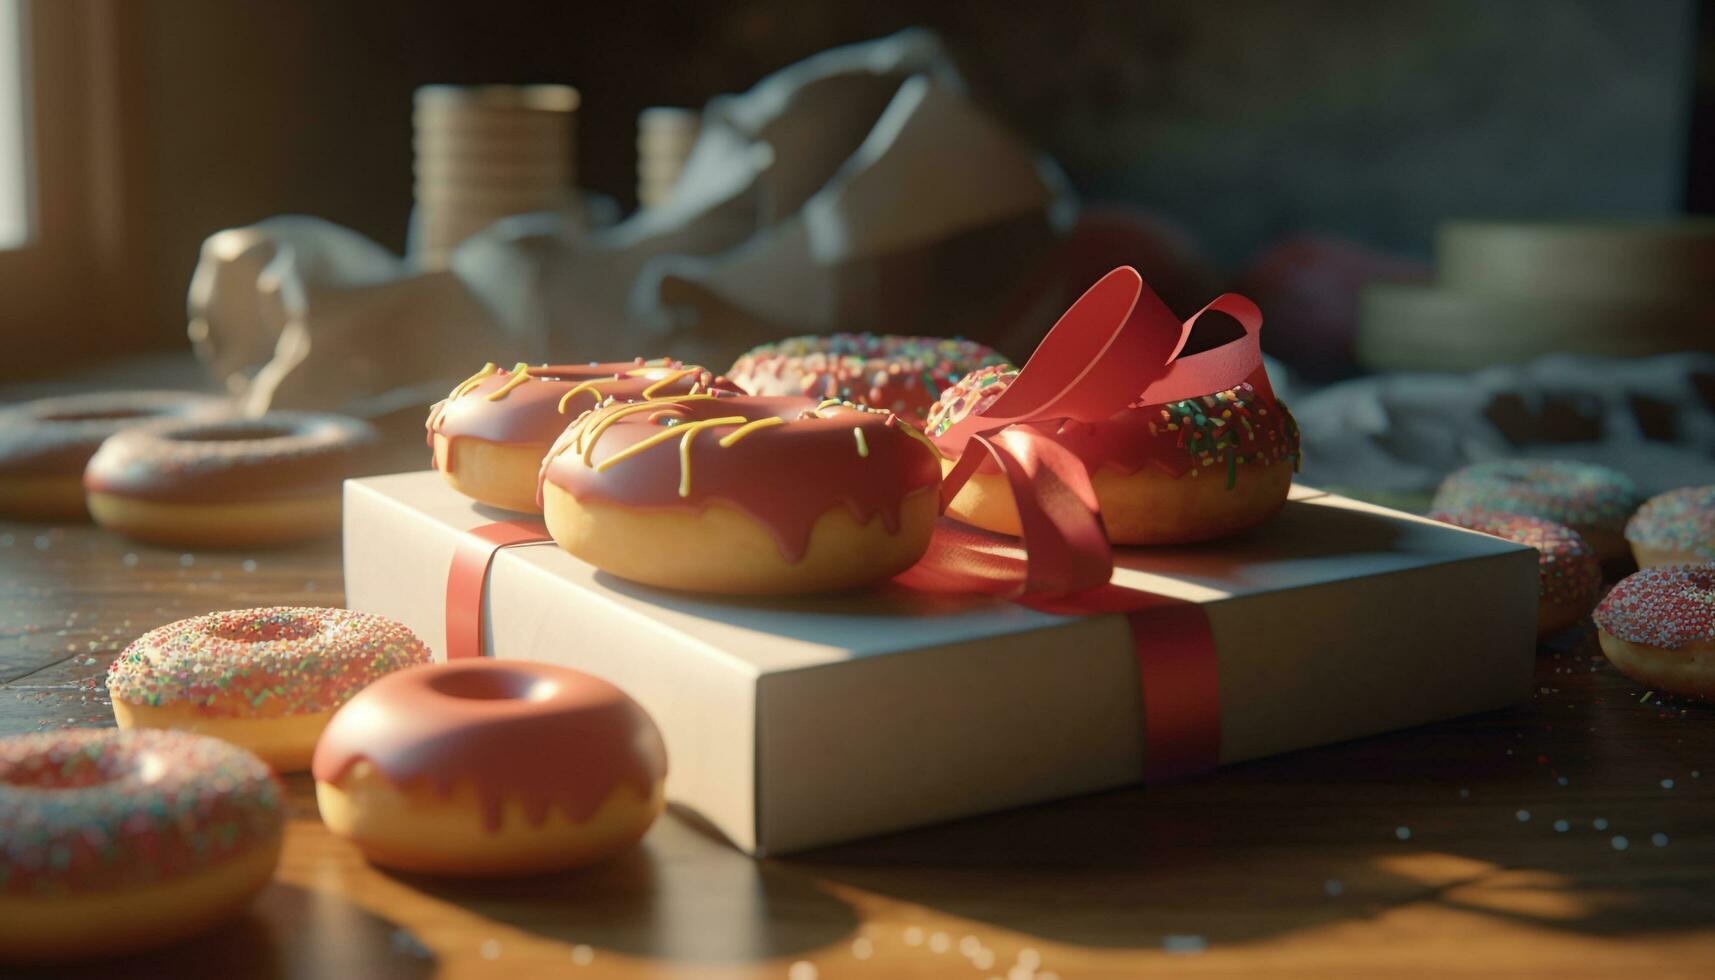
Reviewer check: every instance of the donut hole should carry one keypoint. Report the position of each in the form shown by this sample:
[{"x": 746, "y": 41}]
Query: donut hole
[
  {"x": 239, "y": 433},
  {"x": 264, "y": 630},
  {"x": 492, "y": 684},
  {"x": 106, "y": 415}
]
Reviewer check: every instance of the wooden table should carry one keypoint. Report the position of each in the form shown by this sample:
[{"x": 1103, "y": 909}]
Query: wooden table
[{"x": 1573, "y": 836}]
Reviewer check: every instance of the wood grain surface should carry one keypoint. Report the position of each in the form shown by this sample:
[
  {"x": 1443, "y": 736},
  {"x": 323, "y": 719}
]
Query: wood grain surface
[{"x": 1573, "y": 836}]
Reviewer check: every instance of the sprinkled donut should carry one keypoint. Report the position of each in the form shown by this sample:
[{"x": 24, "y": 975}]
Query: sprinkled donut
[
  {"x": 1593, "y": 500},
  {"x": 1674, "y": 528},
  {"x": 45, "y": 444},
  {"x": 490, "y": 433},
  {"x": 1164, "y": 474},
  {"x": 267, "y": 679},
  {"x": 904, "y": 375},
  {"x": 113, "y": 841},
  {"x": 743, "y": 495},
  {"x": 230, "y": 483},
  {"x": 478, "y": 767},
  {"x": 1658, "y": 627},
  {"x": 1570, "y": 573}
]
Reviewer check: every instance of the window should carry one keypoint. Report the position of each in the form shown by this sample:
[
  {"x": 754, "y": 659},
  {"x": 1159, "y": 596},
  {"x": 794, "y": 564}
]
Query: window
[{"x": 14, "y": 154}]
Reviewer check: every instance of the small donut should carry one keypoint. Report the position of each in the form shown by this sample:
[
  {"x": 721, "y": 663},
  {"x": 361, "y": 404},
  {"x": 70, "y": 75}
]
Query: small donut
[
  {"x": 1164, "y": 474},
  {"x": 903, "y": 375},
  {"x": 230, "y": 483},
  {"x": 1590, "y": 499},
  {"x": 784, "y": 495},
  {"x": 1674, "y": 528},
  {"x": 1570, "y": 574},
  {"x": 115, "y": 841},
  {"x": 484, "y": 767},
  {"x": 44, "y": 444},
  {"x": 490, "y": 433},
  {"x": 267, "y": 679},
  {"x": 1658, "y": 627}
]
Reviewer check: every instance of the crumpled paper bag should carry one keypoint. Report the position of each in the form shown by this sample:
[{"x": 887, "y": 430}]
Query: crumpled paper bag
[{"x": 860, "y": 189}]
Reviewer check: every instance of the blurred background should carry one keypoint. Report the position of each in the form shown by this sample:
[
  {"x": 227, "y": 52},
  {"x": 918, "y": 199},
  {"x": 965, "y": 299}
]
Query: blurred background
[{"x": 1298, "y": 152}]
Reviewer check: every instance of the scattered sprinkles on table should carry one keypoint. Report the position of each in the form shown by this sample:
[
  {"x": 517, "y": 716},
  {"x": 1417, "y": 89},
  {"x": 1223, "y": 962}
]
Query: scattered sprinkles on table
[
  {"x": 282, "y": 660},
  {"x": 1680, "y": 520},
  {"x": 1671, "y": 606},
  {"x": 93, "y": 809},
  {"x": 1570, "y": 573}
]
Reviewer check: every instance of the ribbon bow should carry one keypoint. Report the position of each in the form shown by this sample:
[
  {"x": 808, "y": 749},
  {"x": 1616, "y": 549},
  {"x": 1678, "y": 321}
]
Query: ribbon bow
[{"x": 1117, "y": 346}]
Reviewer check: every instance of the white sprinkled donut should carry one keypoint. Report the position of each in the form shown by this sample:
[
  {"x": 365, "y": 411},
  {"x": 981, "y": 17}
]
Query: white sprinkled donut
[
  {"x": 44, "y": 444},
  {"x": 267, "y": 679},
  {"x": 227, "y": 483},
  {"x": 113, "y": 841}
]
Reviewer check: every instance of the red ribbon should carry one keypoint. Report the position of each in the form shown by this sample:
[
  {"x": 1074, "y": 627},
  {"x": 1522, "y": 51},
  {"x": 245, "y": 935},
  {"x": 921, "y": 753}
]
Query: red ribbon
[
  {"x": 1117, "y": 346},
  {"x": 468, "y": 576}
]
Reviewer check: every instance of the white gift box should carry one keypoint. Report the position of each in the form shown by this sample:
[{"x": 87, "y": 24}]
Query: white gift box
[{"x": 796, "y": 722}]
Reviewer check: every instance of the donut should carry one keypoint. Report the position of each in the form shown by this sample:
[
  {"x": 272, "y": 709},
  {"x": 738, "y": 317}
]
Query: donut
[
  {"x": 1658, "y": 627},
  {"x": 1674, "y": 528},
  {"x": 267, "y": 679},
  {"x": 1570, "y": 573},
  {"x": 903, "y": 375},
  {"x": 1590, "y": 499},
  {"x": 1176, "y": 473},
  {"x": 114, "y": 841},
  {"x": 784, "y": 495},
  {"x": 484, "y": 767},
  {"x": 228, "y": 483},
  {"x": 490, "y": 433},
  {"x": 44, "y": 444}
]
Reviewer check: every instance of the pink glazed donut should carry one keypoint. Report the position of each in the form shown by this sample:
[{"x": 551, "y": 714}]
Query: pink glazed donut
[{"x": 485, "y": 767}]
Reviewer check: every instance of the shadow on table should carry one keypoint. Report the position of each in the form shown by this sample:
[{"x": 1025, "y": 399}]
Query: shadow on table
[
  {"x": 1319, "y": 837},
  {"x": 266, "y": 942},
  {"x": 681, "y": 897}
]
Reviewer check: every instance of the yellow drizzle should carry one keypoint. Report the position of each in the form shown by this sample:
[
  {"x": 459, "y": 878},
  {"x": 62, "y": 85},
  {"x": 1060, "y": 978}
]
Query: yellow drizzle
[
  {"x": 520, "y": 373},
  {"x": 463, "y": 387},
  {"x": 684, "y": 433},
  {"x": 592, "y": 430},
  {"x": 749, "y": 427},
  {"x": 459, "y": 391},
  {"x": 911, "y": 430},
  {"x": 588, "y": 386},
  {"x": 650, "y": 391}
]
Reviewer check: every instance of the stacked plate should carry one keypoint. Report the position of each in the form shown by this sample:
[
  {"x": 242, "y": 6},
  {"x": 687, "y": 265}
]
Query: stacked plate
[
  {"x": 486, "y": 152},
  {"x": 1513, "y": 292},
  {"x": 665, "y": 136}
]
